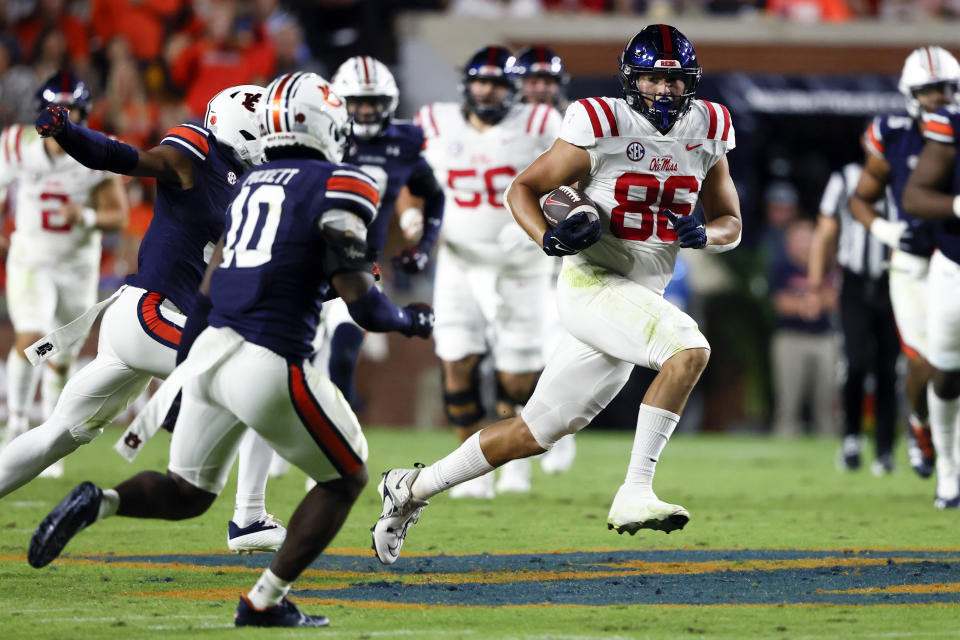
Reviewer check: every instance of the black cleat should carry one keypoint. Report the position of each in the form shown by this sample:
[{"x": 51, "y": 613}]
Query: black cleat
[
  {"x": 74, "y": 513},
  {"x": 284, "y": 614}
]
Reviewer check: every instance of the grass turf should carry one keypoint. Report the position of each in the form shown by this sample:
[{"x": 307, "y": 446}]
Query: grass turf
[{"x": 742, "y": 492}]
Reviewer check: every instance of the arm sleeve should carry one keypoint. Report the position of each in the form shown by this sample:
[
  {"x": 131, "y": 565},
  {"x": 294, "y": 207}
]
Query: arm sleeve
[
  {"x": 94, "y": 150},
  {"x": 423, "y": 184},
  {"x": 833, "y": 196},
  {"x": 376, "y": 312}
]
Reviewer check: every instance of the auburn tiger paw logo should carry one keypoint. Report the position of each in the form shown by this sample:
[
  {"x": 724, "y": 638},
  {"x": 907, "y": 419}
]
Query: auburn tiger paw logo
[{"x": 132, "y": 440}]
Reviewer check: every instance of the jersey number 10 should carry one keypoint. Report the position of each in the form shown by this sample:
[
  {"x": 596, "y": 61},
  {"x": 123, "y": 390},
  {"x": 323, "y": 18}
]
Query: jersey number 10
[{"x": 253, "y": 226}]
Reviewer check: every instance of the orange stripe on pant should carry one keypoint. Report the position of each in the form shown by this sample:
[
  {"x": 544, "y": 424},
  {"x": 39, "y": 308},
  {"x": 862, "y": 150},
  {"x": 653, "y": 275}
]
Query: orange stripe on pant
[
  {"x": 326, "y": 436},
  {"x": 158, "y": 328}
]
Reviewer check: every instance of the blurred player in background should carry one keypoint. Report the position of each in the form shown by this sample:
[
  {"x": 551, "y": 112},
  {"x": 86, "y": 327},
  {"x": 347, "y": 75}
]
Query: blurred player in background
[
  {"x": 266, "y": 297},
  {"x": 196, "y": 169},
  {"x": 542, "y": 79},
  {"x": 53, "y": 264},
  {"x": 492, "y": 282},
  {"x": 866, "y": 317},
  {"x": 933, "y": 193},
  {"x": 928, "y": 82},
  {"x": 646, "y": 160},
  {"x": 389, "y": 151}
]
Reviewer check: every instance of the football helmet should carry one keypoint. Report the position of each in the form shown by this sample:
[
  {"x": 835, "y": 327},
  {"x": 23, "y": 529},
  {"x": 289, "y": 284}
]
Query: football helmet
[
  {"x": 302, "y": 110},
  {"x": 364, "y": 78},
  {"x": 538, "y": 61},
  {"x": 489, "y": 63},
  {"x": 924, "y": 67},
  {"x": 660, "y": 49},
  {"x": 65, "y": 89},
  {"x": 232, "y": 116}
]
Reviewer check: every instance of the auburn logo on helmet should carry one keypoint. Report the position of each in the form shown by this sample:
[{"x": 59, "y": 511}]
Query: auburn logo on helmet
[{"x": 250, "y": 101}]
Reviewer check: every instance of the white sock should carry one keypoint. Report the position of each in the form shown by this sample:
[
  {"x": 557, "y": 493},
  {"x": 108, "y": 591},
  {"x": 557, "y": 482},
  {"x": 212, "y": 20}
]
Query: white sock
[
  {"x": 268, "y": 592},
  {"x": 943, "y": 431},
  {"x": 22, "y": 379},
  {"x": 51, "y": 386},
  {"x": 23, "y": 459},
  {"x": 252, "y": 473},
  {"x": 465, "y": 463},
  {"x": 109, "y": 504},
  {"x": 654, "y": 428}
]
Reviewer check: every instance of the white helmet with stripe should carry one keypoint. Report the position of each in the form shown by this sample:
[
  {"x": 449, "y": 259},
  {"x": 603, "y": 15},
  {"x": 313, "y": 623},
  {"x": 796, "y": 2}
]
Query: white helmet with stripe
[
  {"x": 301, "y": 109},
  {"x": 364, "y": 78},
  {"x": 233, "y": 117},
  {"x": 928, "y": 66}
]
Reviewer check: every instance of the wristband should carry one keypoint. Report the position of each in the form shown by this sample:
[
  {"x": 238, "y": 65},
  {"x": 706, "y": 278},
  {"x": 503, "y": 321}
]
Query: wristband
[
  {"x": 956, "y": 206},
  {"x": 88, "y": 217}
]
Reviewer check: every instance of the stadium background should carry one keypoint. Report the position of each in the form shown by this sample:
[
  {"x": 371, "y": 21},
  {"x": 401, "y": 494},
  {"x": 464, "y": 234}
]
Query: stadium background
[{"x": 800, "y": 77}]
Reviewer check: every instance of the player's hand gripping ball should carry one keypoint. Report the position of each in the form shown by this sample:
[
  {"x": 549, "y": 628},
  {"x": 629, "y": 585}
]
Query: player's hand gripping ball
[
  {"x": 573, "y": 219},
  {"x": 51, "y": 120}
]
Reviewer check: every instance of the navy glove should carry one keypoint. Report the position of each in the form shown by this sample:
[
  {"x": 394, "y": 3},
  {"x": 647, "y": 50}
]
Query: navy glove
[
  {"x": 571, "y": 236},
  {"x": 692, "y": 232},
  {"x": 52, "y": 120},
  {"x": 421, "y": 320},
  {"x": 412, "y": 260}
]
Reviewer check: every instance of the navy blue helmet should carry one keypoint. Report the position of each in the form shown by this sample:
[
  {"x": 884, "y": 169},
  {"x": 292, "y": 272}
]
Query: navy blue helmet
[
  {"x": 489, "y": 63},
  {"x": 662, "y": 50},
  {"x": 539, "y": 61},
  {"x": 65, "y": 89}
]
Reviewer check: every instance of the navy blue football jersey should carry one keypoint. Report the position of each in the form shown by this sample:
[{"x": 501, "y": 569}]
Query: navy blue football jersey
[
  {"x": 171, "y": 259},
  {"x": 898, "y": 140},
  {"x": 943, "y": 126},
  {"x": 391, "y": 159},
  {"x": 271, "y": 283}
]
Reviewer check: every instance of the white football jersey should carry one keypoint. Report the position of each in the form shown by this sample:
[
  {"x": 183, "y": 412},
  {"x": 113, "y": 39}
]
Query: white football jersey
[
  {"x": 475, "y": 167},
  {"x": 636, "y": 172},
  {"x": 43, "y": 185}
]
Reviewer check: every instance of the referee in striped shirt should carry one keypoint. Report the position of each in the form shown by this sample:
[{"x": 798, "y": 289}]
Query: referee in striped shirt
[{"x": 866, "y": 317}]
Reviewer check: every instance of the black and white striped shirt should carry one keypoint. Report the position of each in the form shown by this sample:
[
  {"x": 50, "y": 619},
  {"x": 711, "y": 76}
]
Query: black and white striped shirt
[{"x": 857, "y": 250}]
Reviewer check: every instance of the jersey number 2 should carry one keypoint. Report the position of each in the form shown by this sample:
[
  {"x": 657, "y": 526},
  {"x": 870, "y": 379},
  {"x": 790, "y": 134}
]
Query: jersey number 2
[
  {"x": 653, "y": 193},
  {"x": 253, "y": 226}
]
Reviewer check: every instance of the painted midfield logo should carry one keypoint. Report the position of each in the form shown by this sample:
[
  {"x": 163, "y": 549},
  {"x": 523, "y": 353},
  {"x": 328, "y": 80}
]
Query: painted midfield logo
[{"x": 635, "y": 151}]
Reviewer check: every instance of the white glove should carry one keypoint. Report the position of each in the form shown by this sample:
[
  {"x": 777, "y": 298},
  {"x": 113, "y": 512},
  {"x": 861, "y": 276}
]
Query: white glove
[{"x": 887, "y": 232}]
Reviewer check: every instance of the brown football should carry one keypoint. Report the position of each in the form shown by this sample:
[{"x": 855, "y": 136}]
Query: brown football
[{"x": 563, "y": 202}]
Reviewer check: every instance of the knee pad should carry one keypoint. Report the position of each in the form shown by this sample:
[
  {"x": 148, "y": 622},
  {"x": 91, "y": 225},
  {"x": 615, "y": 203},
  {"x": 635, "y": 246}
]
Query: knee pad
[{"x": 465, "y": 408}]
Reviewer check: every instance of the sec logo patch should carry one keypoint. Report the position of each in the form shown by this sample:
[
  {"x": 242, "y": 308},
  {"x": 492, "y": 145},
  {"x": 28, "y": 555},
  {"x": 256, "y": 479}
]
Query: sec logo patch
[{"x": 635, "y": 151}]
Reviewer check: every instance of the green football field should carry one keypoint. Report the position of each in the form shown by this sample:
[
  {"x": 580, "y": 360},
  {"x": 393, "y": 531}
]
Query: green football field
[{"x": 779, "y": 545}]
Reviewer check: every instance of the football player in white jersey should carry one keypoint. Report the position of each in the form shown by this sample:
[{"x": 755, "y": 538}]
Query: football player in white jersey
[
  {"x": 53, "y": 266},
  {"x": 645, "y": 160},
  {"x": 542, "y": 78},
  {"x": 491, "y": 281}
]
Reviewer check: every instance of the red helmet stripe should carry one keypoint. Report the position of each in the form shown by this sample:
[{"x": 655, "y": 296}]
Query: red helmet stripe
[
  {"x": 492, "y": 59},
  {"x": 667, "y": 41},
  {"x": 275, "y": 104},
  {"x": 929, "y": 60},
  {"x": 541, "y": 54},
  {"x": 366, "y": 70}
]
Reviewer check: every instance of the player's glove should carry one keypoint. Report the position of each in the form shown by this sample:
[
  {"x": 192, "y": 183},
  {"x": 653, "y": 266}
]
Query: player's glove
[
  {"x": 888, "y": 232},
  {"x": 692, "y": 232},
  {"x": 421, "y": 320},
  {"x": 412, "y": 260},
  {"x": 52, "y": 120},
  {"x": 572, "y": 235}
]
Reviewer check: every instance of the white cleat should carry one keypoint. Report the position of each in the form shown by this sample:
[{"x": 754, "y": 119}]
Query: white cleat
[
  {"x": 560, "y": 458},
  {"x": 53, "y": 471},
  {"x": 400, "y": 511},
  {"x": 265, "y": 535},
  {"x": 514, "y": 477},
  {"x": 480, "y": 488},
  {"x": 634, "y": 509}
]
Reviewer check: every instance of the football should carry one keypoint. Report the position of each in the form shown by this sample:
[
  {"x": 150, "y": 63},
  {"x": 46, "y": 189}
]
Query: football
[{"x": 563, "y": 202}]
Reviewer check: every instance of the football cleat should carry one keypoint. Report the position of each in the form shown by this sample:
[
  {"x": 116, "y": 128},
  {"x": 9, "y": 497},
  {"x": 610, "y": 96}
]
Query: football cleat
[
  {"x": 74, "y": 513},
  {"x": 848, "y": 457},
  {"x": 400, "y": 511},
  {"x": 560, "y": 457},
  {"x": 634, "y": 509},
  {"x": 882, "y": 466},
  {"x": 514, "y": 477},
  {"x": 947, "y": 503},
  {"x": 285, "y": 614},
  {"x": 264, "y": 535},
  {"x": 920, "y": 449},
  {"x": 480, "y": 488}
]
